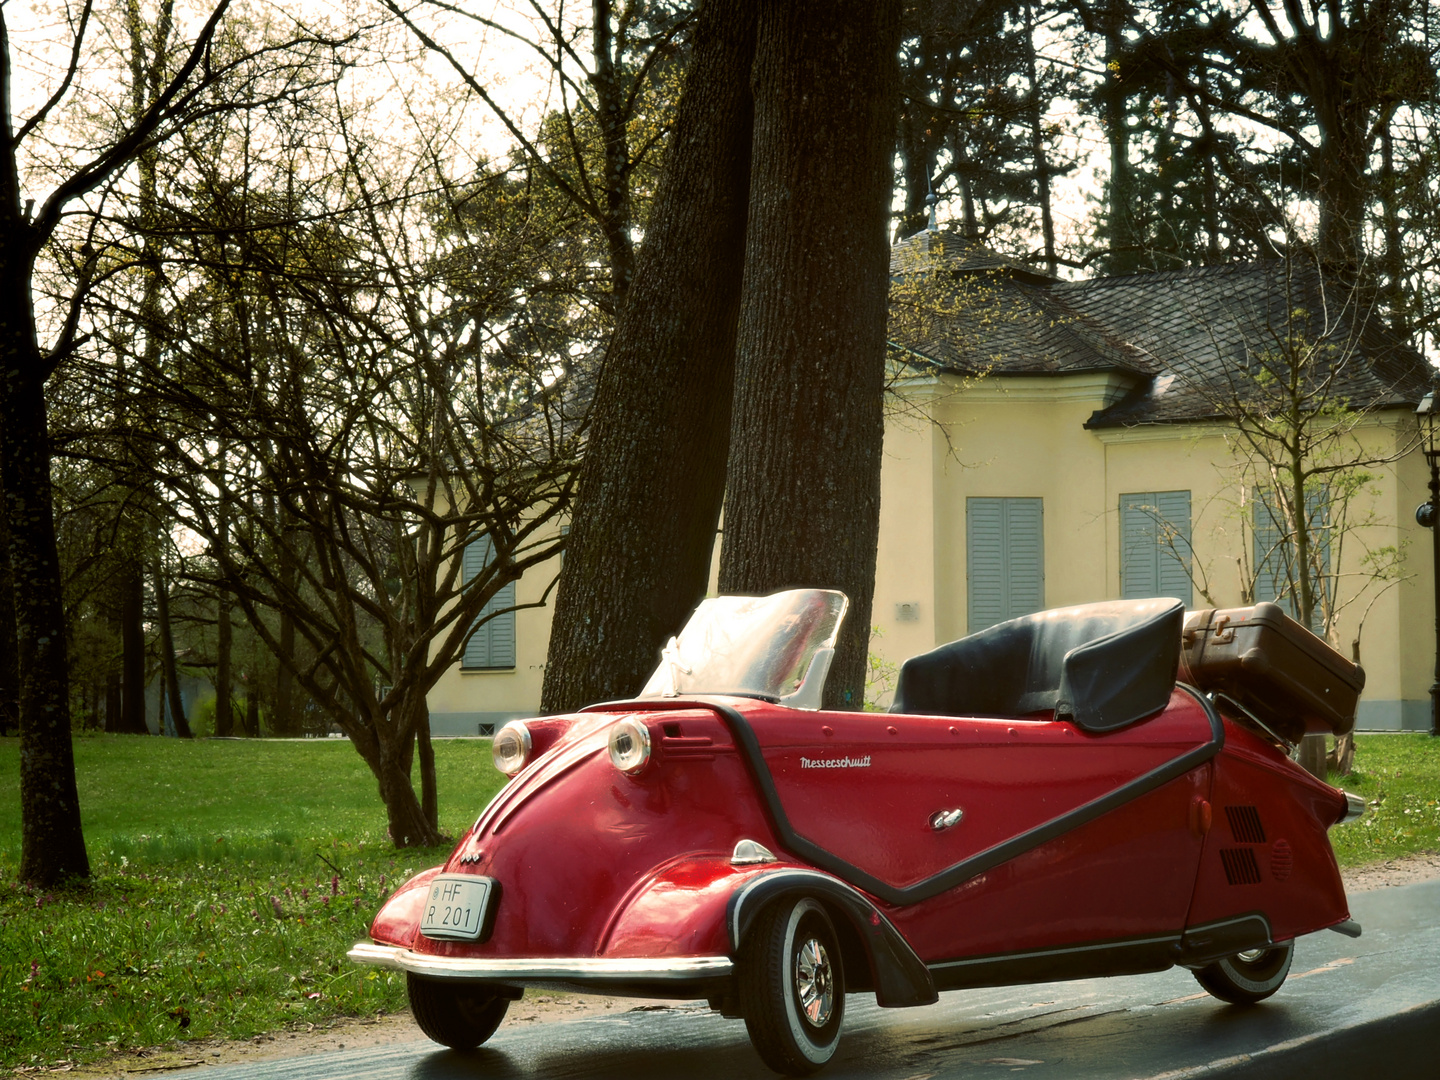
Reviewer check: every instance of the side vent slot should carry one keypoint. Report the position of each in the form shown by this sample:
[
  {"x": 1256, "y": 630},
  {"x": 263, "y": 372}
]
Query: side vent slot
[
  {"x": 1245, "y": 824},
  {"x": 1240, "y": 866}
]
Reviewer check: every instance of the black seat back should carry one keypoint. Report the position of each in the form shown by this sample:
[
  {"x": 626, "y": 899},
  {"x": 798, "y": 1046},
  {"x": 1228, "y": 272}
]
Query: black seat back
[{"x": 1104, "y": 665}]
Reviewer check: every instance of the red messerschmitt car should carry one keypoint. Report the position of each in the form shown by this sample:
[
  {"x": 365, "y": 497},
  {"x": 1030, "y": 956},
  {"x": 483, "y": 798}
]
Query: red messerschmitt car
[{"x": 1044, "y": 801}]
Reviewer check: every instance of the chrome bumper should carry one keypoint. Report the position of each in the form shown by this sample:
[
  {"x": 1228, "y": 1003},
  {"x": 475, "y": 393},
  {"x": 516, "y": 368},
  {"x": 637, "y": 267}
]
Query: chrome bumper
[{"x": 584, "y": 969}]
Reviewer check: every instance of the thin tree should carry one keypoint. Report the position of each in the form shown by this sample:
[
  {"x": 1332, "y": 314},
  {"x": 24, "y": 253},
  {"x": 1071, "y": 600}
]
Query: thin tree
[
  {"x": 52, "y": 844},
  {"x": 1300, "y": 376}
]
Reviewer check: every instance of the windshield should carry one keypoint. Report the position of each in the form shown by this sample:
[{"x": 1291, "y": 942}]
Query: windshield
[{"x": 776, "y": 646}]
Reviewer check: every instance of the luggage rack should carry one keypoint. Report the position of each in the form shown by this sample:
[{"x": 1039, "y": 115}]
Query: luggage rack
[{"x": 1217, "y": 698}]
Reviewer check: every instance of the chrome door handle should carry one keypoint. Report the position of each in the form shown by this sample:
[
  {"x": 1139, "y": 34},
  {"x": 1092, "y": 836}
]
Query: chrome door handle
[{"x": 943, "y": 819}]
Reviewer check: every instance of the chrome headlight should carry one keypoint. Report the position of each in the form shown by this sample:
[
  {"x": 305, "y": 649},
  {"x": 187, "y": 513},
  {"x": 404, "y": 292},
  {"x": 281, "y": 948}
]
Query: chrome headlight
[
  {"x": 511, "y": 748},
  {"x": 629, "y": 745}
]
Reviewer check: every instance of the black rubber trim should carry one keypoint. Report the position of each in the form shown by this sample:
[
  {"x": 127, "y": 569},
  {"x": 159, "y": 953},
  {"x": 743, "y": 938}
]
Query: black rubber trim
[
  {"x": 966, "y": 869},
  {"x": 1125, "y": 956},
  {"x": 901, "y": 978}
]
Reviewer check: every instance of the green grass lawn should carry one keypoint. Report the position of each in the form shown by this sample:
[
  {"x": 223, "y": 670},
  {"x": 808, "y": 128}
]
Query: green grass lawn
[
  {"x": 1399, "y": 775},
  {"x": 230, "y": 877}
]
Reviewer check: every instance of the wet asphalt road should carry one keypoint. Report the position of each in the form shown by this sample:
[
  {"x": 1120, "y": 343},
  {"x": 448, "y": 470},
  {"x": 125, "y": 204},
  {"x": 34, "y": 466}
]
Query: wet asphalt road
[{"x": 1351, "y": 1008}]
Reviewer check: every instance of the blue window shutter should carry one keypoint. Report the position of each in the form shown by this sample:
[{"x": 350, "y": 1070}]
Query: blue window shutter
[
  {"x": 1005, "y": 559},
  {"x": 985, "y": 562},
  {"x": 1139, "y": 562},
  {"x": 493, "y": 644},
  {"x": 1274, "y": 552},
  {"x": 1025, "y": 551},
  {"x": 1272, "y": 573},
  {"x": 1155, "y": 546}
]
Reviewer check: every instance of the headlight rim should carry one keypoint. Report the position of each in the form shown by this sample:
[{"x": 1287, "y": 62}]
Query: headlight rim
[
  {"x": 527, "y": 746},
  {"x": 641, "y": 734}
]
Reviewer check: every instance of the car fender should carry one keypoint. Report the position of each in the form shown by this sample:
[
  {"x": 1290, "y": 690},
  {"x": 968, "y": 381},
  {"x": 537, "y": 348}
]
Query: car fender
[
  {"x": 900, "y": 978},
  {"x": 677, "y": 910},
  {"x": 399, "y": 917}
]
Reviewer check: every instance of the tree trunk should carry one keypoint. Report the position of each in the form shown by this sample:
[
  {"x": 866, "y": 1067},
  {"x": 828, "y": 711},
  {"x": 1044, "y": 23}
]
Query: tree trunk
[
  {"x": 224, "y": 636},
  {"x": 1124, "y": 239},
  {"x": 170, "y": 676},
  {"x": 252, "y": 713},
  {"x": 9, "y": 671},
  {"x": 643, "y": 533},
  {"x": 52, "y": 845},
  {"x": 224, "y": 680},
  {"x": 407, "y": 823},
  {"x": 1038, "y": 155},
  {"x": 1393, "y": 259},
  {"x": 282, "y": 719},
  {"x": 611, "y": 114},
  {"x": 429, "y": 795},
  {"x": 803, "y": 502},
  {"x": 132, "y": 641},
  {"x": 112, "y": 702}
]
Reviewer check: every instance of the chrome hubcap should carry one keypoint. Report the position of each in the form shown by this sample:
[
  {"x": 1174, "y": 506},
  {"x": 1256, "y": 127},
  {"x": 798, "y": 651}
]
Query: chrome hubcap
[
  {"x": 1249, "y": 956},
  {"x": 814, "y": 983}
]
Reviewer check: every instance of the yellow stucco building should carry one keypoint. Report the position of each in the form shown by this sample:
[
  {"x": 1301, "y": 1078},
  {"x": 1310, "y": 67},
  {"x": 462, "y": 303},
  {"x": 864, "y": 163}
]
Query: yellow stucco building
[{"x": 1054, "y": 443}]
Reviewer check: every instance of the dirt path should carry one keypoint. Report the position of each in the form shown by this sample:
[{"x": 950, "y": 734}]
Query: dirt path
[{"x": 348, "y": 1034}]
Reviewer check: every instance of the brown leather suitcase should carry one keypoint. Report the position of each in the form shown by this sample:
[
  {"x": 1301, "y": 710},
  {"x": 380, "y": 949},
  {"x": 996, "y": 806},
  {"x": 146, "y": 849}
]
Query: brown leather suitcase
[{"x": 1275, "y": 669}]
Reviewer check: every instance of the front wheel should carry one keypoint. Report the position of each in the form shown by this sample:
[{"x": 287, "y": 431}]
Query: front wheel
[
  {"x": 457, "y": 1016},
  {"x": 792, "y": 987},
  {"x": 1248, "y": 977}
]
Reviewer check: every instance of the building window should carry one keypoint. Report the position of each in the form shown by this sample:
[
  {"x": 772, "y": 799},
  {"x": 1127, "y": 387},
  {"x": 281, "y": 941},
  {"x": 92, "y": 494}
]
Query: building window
[
  {"x": 1005, "y": 559},
  {"x": 1155, "y": 552},
  {"x": 492, "y": 646},
  {"x": 1277, "y": 569}
]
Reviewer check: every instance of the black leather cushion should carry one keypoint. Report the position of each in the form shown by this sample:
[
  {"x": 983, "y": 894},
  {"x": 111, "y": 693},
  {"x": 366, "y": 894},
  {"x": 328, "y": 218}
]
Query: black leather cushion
[{"x": 1104, "y": 665}]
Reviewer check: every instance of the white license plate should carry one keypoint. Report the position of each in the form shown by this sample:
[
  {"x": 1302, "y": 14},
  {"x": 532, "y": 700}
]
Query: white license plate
[{"x": 456, "y": 907}]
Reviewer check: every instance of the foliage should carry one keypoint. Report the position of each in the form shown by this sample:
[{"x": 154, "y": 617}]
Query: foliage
[
  {"x": 229, "y": 879},
  {"x": 880, "y": 675}
]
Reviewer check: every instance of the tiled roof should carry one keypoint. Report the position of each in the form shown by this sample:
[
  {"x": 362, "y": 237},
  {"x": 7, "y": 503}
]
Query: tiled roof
[
  {"x": 983, "y": 315},
  {"x": 1196, "y": 339}
]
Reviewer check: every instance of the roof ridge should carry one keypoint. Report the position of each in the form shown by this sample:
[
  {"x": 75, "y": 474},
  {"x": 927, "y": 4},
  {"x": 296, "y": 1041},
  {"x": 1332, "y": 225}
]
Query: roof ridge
[{"x": 1151, "y": 277}]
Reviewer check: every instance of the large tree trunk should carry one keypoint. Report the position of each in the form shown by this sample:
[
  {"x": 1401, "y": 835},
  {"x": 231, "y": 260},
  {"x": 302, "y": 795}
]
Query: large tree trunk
[
  {"x": 639, "y": 551},
  {"x": 52, "y": 845},
  {"x": 803, "y": 503}
]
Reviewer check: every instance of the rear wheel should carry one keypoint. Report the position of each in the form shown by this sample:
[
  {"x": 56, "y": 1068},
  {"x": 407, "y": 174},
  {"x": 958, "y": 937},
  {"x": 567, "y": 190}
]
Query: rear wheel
[
  {"x": 1248, "y": 977},
  {"x": 458, "y": 1016},
  {"x": 792, "y": 987}
]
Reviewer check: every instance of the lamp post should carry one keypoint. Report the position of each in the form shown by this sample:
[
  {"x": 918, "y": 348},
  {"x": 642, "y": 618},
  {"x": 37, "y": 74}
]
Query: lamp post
[{"x": 1428, "y": 516}]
